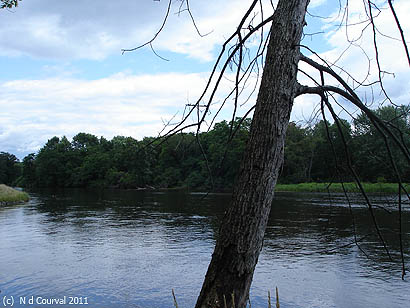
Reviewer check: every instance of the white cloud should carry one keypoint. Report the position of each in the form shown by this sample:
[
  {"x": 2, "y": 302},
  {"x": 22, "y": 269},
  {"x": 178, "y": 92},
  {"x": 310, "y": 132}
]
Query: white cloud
[
  {"x": 91, "y": 30},
  {"x": 218, "y": 18},
  {"x": 129, "y": 105}
]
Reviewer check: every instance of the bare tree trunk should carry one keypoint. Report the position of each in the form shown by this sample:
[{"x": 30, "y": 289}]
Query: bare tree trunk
[{"x": 241, "y": 233}]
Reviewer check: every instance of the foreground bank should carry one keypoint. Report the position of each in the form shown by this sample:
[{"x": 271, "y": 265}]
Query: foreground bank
[{"x": 9, "y": 195}]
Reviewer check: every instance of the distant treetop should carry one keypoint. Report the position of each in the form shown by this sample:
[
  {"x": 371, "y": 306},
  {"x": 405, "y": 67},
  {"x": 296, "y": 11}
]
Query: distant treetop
[{"x": 9, "y": 3}]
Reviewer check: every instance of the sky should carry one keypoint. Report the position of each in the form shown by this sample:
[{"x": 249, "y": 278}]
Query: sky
[{"x": 62, "y": 70}]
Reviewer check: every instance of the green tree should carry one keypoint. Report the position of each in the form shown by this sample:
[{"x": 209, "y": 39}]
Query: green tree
[
  {"x": 93, "y": 170},
  {"x": 29, "y": 170},
  {"x": 224, "y": 160},
  {"x": 177, "y": 157},
  {"x": 55, "y": 164},
  {"x": 130, "y": 162},
  {"x": 9, "y": 168},
  {"x": 83, "y": 142},
  {"x": 329, "y": 161},
  {"x": 299, "y": 154},
  {"x": 371, "y": 157}
]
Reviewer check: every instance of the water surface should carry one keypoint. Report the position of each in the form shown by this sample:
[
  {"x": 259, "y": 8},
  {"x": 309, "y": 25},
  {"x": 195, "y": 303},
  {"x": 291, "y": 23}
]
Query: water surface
[{"x": 130, "y": 249}]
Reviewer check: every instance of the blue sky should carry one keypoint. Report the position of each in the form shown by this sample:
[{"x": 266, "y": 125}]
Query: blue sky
[{"x": 62, "y": 71}]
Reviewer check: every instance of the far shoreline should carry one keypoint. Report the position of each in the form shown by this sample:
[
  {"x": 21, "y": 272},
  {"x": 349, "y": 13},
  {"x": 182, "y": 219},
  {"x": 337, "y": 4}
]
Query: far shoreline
[
  {"x": 306, "y": 187},
  {"x": 350, "y": 187}
]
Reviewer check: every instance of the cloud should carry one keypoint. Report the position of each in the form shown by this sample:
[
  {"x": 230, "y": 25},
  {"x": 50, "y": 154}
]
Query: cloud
[
  {"x": 121, "y": 104},
  {"x": 217, "y": 19},
  {"x": 94, "y": 30},
  {"x": 129, "y": 105}
]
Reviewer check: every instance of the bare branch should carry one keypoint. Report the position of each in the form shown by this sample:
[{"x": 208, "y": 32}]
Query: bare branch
[
  {"x": 376, "y": 50},
  {"x": 400, "y": 29},
  {"x": 188, "y": 9},
  {"x": 350, "y": 95},
  {"x": 156, "y": 34}
]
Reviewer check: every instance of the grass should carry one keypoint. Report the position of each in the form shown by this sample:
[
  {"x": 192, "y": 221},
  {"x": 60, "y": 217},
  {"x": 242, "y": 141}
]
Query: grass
[
  {"x": 337, "y": 187},
  {"x": 9, "y": 195}
]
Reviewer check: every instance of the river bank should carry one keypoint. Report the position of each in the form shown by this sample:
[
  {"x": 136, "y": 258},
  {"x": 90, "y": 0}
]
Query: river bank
[
  {"x": 10, "y": 195},
  {"x": 339, "y": 188},
  {"x": 350, "y": 187}
]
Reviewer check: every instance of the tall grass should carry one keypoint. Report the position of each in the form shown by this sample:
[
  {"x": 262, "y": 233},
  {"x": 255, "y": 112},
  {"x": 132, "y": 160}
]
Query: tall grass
[
  {"x": 10, "y": 195},
  {"x": 337, "y": 187}
]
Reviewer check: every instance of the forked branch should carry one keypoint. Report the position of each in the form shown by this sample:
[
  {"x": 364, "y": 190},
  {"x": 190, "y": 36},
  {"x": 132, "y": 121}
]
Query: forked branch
[{"x": 382, "y": 127}]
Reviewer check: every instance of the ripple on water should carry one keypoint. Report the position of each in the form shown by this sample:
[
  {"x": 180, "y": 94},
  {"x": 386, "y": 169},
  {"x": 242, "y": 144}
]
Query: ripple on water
[{"x": 130, "y": 249}]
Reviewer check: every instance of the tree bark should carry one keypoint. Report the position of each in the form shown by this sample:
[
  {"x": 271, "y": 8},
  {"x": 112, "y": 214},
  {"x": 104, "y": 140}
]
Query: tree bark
[{"x": 240, "y": 238}]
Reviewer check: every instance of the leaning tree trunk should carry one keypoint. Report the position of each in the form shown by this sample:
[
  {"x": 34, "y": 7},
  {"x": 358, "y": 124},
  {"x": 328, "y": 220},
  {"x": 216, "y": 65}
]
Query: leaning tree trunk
[{"x": 241, "y": 235}]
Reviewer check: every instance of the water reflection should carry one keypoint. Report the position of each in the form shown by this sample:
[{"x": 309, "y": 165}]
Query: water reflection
[{"x": 130, "y": 248}]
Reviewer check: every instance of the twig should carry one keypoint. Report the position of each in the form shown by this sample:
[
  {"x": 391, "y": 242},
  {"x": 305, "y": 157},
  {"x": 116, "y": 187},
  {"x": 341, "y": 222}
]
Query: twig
[{"x": 175, "y": 300}]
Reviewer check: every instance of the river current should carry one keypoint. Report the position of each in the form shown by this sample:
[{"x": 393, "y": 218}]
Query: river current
[{"x": 109, "y": 249}]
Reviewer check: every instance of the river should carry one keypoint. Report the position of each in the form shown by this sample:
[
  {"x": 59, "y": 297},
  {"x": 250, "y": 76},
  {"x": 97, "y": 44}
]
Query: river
[{"x": 119, "y": 249}]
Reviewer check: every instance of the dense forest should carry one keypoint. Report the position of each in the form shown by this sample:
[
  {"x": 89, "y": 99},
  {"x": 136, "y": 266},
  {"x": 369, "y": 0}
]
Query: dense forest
[{"x": 312, "y": 154}]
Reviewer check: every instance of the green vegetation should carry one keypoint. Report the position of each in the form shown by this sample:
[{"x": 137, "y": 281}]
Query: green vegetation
[
  {"x": 338, "y": 187},
  {"x": 313, "y": 155},
  {"x": 10, "y": 168},
  {"x": 10, "y": 195}
]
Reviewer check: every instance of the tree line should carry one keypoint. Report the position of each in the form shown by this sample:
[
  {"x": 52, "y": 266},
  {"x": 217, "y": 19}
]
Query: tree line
[{"x": 312, "y": 154}]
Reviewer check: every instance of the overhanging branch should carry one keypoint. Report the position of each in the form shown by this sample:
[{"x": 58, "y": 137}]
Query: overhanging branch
[{"x": 348, "y": 93}]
